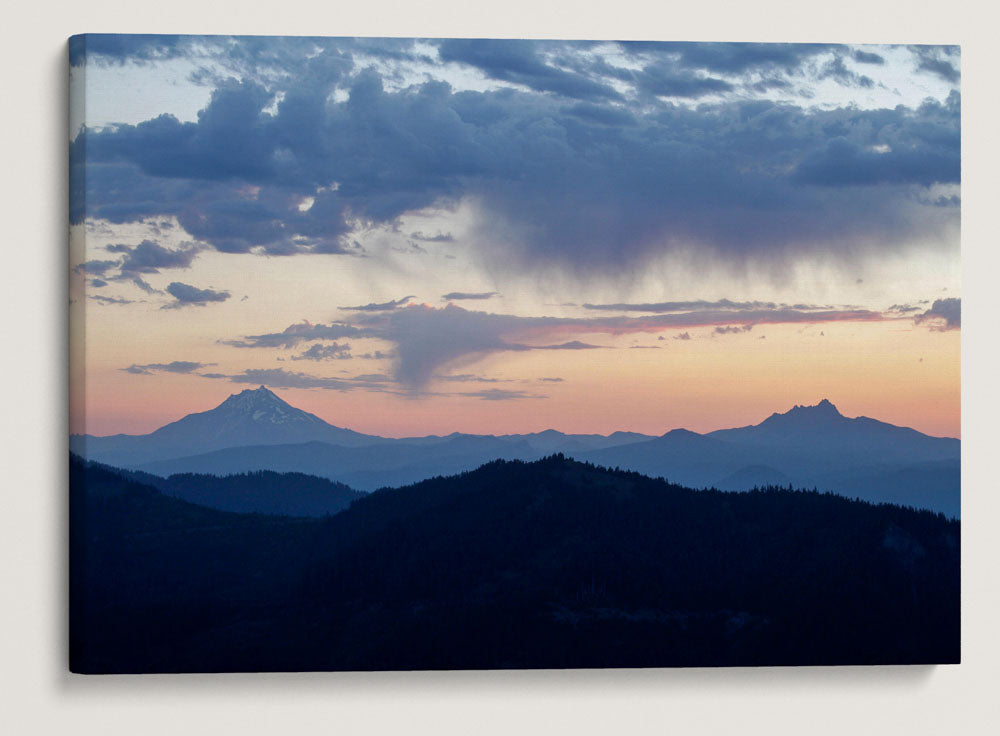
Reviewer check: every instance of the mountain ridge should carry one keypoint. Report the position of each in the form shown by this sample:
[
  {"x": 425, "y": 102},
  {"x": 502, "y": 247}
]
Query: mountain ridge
[
  {"x": 552, "y": 563},
  {"x": 808, "y": 446}
]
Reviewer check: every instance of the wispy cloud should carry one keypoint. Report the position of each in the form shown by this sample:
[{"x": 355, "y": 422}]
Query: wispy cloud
[
  {"x": 319, "y": 351},
  {"x": 499, "y": 394},
  {"x": 280, "y": 378},
  {"x": 466, "y": 295},
  {"x": 176, "y": 366},
  {"x": 380, "y": 307},
  {"x": 100, "y": 299},
  {"x": 296, "y": 334}
]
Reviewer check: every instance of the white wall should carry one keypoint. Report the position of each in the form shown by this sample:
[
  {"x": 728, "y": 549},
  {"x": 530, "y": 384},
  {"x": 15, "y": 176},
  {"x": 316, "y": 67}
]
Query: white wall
[{"x": 38, "y": 696}]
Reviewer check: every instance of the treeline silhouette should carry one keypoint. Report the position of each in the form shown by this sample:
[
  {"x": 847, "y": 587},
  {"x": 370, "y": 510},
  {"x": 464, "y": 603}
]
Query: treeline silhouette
[
  {"x": 552, "y": 563},
  {"x": 255, "y": 491}
]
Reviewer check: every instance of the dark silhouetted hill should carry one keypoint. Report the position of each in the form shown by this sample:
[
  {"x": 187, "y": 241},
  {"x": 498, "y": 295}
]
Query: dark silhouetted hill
[
  {"x": 807, "y": 446},
  {"x": 261, "y": 491},
  {"x": 551, "y": 563}
]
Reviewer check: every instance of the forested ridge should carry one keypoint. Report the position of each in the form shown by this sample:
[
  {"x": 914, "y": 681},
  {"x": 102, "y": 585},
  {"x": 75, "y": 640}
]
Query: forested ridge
[{"x": 552, "y": 563}]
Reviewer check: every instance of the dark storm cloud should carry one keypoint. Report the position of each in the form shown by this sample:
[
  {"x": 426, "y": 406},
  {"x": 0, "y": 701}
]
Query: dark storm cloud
[
  {"x": 460, "y": 295},
  {"x": 667, "y": 81},
  {"x": 601, "y": 114},
  {"x": 848, "y": 162},
  {"x": 594, "y": 186},
  {"x": 732, "y": 58},
  {"x": 867, "y": 57},
  {"x": 519, "y": 61},
  {"x": 944, "y": 314},
  {"x": 176, "y": 366},
  {"x": 836, "y": 69},
  {"x": 115, "y": 48},
  {"x": 938, "y": 60},
  {"x": 187, "y": 295}
]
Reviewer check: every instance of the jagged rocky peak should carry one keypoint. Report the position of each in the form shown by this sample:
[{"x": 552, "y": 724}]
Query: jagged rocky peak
[
  {"x": 824, "y": 407},
  {"x": 824, "y": 410}
]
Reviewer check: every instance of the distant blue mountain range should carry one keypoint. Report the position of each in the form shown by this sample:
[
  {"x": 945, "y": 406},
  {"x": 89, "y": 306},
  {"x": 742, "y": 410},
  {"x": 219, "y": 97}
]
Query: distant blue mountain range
[{"x": 807, "y": 446}]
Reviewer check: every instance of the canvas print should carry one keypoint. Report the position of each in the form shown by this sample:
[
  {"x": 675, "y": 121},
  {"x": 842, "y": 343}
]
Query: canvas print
[{"x": 414, "y": 354}]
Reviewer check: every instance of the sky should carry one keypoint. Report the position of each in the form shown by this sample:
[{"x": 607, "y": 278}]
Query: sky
[{"x": 409, "y": 237}]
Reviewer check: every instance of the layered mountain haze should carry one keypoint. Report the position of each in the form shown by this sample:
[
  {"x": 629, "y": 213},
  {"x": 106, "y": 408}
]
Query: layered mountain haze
[
  {"x": 250, "y": 417},
  {"x": 807, "y": 446}
]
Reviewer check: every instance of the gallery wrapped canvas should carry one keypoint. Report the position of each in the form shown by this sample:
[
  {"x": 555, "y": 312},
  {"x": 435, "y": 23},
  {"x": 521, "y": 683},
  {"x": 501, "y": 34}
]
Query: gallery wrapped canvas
[{"x": 405, "y": 354}]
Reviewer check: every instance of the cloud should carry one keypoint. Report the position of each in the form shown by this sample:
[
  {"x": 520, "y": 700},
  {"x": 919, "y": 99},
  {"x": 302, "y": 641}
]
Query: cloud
[
  {"x": 428, "y": 340},
  {"x": 145, "y": 258},
  {"x": 295, "y": 334},
  {"x": 150, "y": 257},
  {"x": 667, "y": 81},
  {"x": 733, "y": 58},
  {"x": 936, "y": 60},
  {"x": 691, "y": 306},
  {"x": 867, "y": 57},
  {"x": 836, "y": 69},
  {"x": 595, "y": 185},
  {"x": 383, "y": 307},
  {"x": 499, "y": 394},
  {"x": 730, "y": 330},
  {"x": 176, "y": 366},
  {"x": 519, "y": 61},
  {"x": 683, "y": 336},
  {"x": 280, "y": 378},
  {"x": 187, "y": 295},
  {"x": 436, "y": 238},
  {"x": 319, "y": 351},
  {"x": 944, "y": 314},
  {"x": 470, "y": 378},
  {"x": 95, "y": 268},
  {"x": 460, "y": 295},
  {"x": 109, "y": 299},
  {"x": 571, "y": 345},
  {"x": 114, "y": 48},
  {"x": 554, "y": 379}
]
